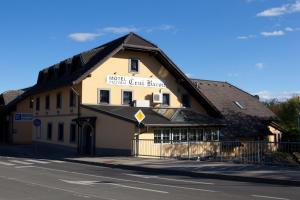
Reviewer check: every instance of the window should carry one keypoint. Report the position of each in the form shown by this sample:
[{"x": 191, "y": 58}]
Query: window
[
  {"x": 176, "y": 135},
  {"x": 72, "y": 98},
  {"x": 215, "y": 135},
  {"x": 239, "y": 104},
  {"x": 37, "y": 104},
  {"x": 207, "y": 134},
  {"x": 166, "y": 135},
  {"x": 30, "y": 103},
  {"x": 133, "y": 65},
  {"x": 193, "y": 135},
  {"x": 157, "y": 136},
  {"x": 166, "y": 99},
  {"x": 184, "y": 135},
  {"x": 199, "y": 135},
  {"x": 72, "y": 133},
  {"x": 186, "y": 101},
  {"x": 60, "y": 132},
  {"x": 58, "y": 100},
  {"x": 127, "y": 98},
  {"x": 49, "y": 131},
  {"x": 103, "y": 97},
  {"x": 47, "y": 102}
]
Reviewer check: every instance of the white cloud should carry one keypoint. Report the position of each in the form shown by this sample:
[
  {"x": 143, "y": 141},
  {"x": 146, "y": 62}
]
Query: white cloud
[
  {"x": 89, "y": 36},
  {"x": 273, "y": 33},
  {"x": 120, "y": 29},
  {"x": 289, "y": 29},
  {"x": 259, "y": 65},
  {"x": 163, "y": 27},
  {"x": 264, "y": 95},
  {"x": 246, "y": 37},
  {"x": 282, "y": 10},
  {"x": 282, "y": 96},
  {"x": 83, "y": 37}
]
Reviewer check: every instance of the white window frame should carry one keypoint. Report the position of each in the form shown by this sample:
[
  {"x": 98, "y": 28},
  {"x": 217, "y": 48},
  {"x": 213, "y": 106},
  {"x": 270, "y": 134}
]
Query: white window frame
[
  {"x": 166, "y": 105},
  {"x": 98, "y": 96},
  {"x": 161, "y": 135},
  {"x": 72, "y": 142},
  {"x": 49, "y": 139},
  {"x": 122, "y": 96},
  {"x": 63, "y": 138},
  {"x": 129, "y": 65}
]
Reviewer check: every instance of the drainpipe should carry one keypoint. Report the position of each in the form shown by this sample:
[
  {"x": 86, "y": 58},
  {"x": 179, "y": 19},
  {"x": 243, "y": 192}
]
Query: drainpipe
[{"x": 78, "y": 115}]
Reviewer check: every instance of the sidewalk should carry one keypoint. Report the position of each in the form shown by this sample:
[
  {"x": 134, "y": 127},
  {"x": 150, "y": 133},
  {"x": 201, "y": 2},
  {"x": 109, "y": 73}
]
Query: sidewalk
[{"x": 204, "y": 169}]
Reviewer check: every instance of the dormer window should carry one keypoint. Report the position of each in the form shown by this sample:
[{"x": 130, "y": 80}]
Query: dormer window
[
  {"x": 134, "y": 65},
  {"x": 240, "y": 105}
]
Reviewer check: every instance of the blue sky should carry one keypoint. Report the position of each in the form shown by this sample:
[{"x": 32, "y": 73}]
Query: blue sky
[{"x": 254, "y": 44}]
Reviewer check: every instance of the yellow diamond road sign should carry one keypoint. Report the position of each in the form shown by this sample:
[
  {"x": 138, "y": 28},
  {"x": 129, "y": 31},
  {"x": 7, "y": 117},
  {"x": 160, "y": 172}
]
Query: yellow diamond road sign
[{"x": 139, "y": 116}]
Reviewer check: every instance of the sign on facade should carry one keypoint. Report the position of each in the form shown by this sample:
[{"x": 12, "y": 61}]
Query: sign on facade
[
  {"x": 37, "y": 122},
  {"x": 134, "y": 81},
  {"x": 139, "y": 116},
  {"x": 23, "y": 117}
]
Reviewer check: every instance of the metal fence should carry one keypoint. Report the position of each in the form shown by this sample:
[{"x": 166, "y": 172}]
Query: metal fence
[{"x": 258, "y": 152}]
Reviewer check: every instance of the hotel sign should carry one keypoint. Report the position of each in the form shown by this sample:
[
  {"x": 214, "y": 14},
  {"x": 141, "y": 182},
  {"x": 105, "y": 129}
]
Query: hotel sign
[{"x": 134, "y": 81}]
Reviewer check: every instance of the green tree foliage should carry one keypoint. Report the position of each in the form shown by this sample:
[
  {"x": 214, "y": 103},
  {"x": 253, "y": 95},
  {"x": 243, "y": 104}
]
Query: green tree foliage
[{"x": 288, "y": 113}]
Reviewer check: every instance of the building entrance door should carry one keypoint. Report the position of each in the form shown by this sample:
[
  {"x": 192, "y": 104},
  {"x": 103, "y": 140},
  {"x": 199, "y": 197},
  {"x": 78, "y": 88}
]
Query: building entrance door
[{"x": 88, "y": 140}]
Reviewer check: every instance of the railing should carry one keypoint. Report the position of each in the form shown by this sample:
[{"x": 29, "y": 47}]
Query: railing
[{"x": 258, "y": 152}]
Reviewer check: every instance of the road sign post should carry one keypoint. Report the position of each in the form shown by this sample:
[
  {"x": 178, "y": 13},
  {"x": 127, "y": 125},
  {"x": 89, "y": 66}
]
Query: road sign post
[{"x": 139, "y": 116}]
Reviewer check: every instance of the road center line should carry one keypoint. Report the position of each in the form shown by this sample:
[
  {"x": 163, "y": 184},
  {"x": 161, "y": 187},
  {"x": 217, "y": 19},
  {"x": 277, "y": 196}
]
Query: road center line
[
  {"x": 268, "y": 197},
  {"x": 170, "y": 179},
  {"x": 127, "y": 180}
]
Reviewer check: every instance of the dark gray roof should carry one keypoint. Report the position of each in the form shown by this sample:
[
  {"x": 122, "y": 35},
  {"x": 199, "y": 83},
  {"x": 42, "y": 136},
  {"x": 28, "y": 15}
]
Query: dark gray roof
[
  {"x": 159, "y": 116},
  {"x": 10, "y": 95},
  {"x": 224, "y": 95},
  {"x": 73, "y": 70},
  {"x": 250, "y": 120}
]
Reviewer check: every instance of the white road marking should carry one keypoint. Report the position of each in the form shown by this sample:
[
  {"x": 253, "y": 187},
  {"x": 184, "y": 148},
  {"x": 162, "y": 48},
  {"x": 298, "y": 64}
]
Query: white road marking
[
  {"x": 26, "y": 166},
  {"x": 37, "y": 161},
  {"x": 138, "y": 188},
  {"x": 114, "y": 184},
  {"x": 75, "y": 193},
  {"x": 269, "y": 197},
  {"x": 54, "y": 161},
  {"x": 128, "y": 180},
  {"x": 170, "y": 179},
  {"x": 6, "y": 163},
  {"x": 20, "y": 162},
  {"x": 79, "y": 182}
]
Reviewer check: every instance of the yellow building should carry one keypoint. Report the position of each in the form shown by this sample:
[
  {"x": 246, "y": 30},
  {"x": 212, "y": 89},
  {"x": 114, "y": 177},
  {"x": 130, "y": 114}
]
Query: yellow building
[{"x": 87, "y": 103}]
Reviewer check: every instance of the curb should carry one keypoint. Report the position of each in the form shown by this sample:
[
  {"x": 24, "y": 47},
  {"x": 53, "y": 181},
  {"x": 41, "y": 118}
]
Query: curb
[{"x": 192, "y": 174}]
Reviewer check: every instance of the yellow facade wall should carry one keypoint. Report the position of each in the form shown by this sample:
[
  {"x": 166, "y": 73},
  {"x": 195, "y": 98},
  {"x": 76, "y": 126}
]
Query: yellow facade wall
[
  {"x": 111, "y": 132},
  {"x": 22, "y": 130},
  {"x": 149, "y": 68},
  {"x": 55, "y": 116}
]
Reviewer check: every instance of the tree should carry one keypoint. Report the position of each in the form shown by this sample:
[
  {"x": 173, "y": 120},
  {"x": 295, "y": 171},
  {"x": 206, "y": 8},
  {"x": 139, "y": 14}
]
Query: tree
[{"x": 288, "y": 113}]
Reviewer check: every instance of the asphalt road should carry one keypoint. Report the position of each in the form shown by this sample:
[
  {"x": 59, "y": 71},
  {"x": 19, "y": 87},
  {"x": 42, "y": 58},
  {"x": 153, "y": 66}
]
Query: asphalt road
[{"x": 25, "y": 178}]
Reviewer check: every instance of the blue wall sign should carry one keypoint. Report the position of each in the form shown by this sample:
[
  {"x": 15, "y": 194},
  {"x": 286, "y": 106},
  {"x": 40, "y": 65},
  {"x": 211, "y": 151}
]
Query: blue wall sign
[{"x": 23, "y": 117}]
